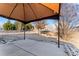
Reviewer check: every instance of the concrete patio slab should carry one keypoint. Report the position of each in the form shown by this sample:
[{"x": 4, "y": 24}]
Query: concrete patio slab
[
  {"x": 30, "y": 47},
  {"x": 40, "y": 48},
  {"x": 11, "y": 50}
]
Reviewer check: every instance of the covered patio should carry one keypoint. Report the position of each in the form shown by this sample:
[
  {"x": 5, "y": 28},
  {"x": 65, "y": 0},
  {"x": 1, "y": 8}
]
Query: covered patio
[{"x": 27, "y": 13}]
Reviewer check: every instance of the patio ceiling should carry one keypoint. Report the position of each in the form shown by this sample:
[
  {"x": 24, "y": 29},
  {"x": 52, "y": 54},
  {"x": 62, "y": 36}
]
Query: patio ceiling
[{"x": 29, "y": 12}]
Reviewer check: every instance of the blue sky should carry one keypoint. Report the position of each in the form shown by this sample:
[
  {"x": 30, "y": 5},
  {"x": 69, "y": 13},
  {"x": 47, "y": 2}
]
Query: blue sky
[
  {"x": 49, "y": 21},
  {"x": 3, "y": 20}
]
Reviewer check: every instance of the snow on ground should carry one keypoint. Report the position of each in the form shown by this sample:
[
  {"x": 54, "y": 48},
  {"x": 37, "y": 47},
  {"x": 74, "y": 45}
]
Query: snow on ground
[{"x": 73, "y": 45}]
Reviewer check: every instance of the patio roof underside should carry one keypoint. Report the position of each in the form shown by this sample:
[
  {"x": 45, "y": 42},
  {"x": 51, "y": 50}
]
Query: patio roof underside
[{"x": 29, "y": 12}]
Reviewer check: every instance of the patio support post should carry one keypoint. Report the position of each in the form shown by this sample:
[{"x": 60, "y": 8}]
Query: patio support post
[
  {"x": 59, "y": 27},
  {"x": 24, "y": 32},
  {"x": 24, "y": 19},
  {"x": 58, "y": 35}
]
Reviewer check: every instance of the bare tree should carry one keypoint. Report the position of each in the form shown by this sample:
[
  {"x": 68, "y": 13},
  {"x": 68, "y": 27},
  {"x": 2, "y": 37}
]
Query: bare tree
[
  {"x": 68, "y": 21},
  {"x": 40, "y": 25}
]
